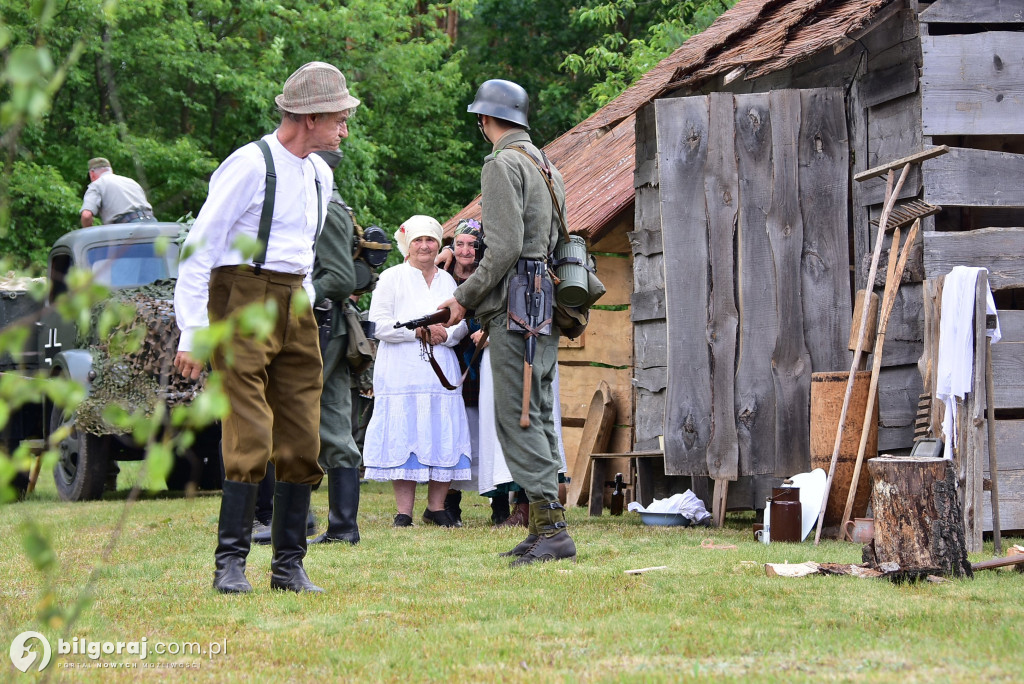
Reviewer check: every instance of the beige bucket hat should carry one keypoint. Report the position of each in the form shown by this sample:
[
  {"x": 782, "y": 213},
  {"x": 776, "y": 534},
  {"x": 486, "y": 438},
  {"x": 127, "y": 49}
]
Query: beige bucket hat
[{"x": 315, "y": 88}]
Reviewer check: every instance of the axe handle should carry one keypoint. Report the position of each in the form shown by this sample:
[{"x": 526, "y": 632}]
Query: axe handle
[{"x": 524, "y": 417}]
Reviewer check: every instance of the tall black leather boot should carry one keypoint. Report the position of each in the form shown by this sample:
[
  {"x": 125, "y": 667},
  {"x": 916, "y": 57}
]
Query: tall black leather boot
[
  {"x": 343, "y": 496},
  {"x": 234, "y": 534},
  {"x": 531, "y": 538},
  {"x": 553, "y": 541},
  {"x": 288, "y": 538}
]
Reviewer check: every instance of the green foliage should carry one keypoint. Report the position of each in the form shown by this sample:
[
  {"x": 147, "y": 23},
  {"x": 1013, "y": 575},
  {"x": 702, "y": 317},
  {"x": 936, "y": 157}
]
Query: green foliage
[{"x": 624, "y": 53}]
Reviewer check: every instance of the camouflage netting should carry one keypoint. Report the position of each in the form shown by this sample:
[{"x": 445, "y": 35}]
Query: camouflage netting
[{"x": 140, "y": 379}]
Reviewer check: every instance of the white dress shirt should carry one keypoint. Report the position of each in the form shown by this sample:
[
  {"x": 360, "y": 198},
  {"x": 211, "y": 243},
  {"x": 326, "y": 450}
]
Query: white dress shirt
[{"x": 233, "y": 209}]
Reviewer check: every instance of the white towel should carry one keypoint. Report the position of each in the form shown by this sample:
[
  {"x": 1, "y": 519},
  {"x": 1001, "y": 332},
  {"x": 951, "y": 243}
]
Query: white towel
[{"x": 955, "y": 366}]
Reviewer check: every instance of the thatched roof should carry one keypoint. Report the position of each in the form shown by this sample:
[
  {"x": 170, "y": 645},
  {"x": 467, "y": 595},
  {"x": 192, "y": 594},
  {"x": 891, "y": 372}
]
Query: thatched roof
[{"x": 754, "y": 38}]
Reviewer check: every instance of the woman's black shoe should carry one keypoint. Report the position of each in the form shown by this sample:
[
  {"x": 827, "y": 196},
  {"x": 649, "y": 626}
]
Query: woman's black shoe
[
  {"x": 402, "y": 520},
  {"x": 442, "y": 518}
]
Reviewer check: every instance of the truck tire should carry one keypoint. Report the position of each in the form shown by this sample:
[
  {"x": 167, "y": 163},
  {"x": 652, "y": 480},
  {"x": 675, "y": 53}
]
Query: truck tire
[{"x": 81, "y": 470}]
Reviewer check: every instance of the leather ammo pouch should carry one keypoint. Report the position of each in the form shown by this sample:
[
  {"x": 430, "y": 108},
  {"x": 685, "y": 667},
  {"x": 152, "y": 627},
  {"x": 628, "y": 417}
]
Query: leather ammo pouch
[
  {"x": 324, "y": 314},
  {"x": 361, "y": 351},
  {"x": 530, "y": 297}
]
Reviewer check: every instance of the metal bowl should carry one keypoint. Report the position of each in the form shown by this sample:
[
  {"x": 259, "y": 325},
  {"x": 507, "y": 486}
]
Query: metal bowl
[{"x": 665, "y": 519}]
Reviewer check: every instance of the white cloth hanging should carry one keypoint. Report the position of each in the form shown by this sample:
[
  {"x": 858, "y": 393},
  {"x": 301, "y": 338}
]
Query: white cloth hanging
[{"x": 954, "y": 368}]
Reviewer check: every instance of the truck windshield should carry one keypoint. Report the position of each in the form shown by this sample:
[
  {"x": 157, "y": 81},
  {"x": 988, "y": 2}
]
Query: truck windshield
[{"x": 129, "y": 265}]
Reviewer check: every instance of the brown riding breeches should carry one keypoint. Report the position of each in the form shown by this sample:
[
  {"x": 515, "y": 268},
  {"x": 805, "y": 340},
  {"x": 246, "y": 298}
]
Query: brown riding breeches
[{"x": 273, "y": 384}]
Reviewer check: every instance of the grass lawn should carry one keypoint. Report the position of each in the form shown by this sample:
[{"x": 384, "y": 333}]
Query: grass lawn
[{"x": 429, "y": 604}]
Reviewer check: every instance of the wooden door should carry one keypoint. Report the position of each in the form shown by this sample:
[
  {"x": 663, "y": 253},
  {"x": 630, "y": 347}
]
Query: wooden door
[{"x": 754, "y": 195}]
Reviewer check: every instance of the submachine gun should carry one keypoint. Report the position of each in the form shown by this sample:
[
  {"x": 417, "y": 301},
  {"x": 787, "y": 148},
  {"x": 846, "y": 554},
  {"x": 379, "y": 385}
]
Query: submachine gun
[{"x": 427, "y": 349}]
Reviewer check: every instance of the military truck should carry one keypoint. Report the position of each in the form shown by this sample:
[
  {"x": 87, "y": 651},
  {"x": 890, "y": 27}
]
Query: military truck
[{"x": 137, "y": 261}]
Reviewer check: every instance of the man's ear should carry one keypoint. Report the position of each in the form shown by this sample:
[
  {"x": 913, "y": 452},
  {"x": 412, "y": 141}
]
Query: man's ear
[{"x": 311, "y": 121}]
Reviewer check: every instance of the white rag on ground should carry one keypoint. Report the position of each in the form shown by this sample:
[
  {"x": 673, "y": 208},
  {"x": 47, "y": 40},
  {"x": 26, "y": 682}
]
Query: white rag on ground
[
  {"x": 954, "y": 368},
  {"x": 686, "y": 504}
]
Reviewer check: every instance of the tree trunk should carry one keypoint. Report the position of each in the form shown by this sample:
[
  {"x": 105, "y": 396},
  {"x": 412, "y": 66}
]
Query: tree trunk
[{"x": 919, "y": 523}]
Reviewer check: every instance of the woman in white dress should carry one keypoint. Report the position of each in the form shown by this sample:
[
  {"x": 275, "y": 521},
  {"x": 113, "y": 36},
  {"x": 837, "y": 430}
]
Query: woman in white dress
[{"x": 419, "y": 431}]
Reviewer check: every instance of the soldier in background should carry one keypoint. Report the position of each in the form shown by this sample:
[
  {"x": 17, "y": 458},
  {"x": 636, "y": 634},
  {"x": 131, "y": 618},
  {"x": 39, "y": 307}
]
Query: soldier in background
[{"x": 117, "y": 199}]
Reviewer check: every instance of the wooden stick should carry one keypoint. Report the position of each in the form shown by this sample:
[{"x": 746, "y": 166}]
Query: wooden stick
[
  {"x": 998, "y": 563},
  {"x": 892, "y": 285},
  {"x": 891, "y": 194},
  {"x": 930, "y": 153},
  {"x": 524, "y": 417},
  {"x": 993, "y": 464}
]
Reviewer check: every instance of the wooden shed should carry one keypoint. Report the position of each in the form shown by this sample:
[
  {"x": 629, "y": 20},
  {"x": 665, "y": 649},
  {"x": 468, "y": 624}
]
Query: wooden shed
[{"x": 748, "y": 235}]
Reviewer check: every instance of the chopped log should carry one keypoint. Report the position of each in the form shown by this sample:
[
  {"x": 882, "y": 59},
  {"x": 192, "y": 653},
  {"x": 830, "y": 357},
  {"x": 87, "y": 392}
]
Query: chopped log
[{"x": 919, "y": 523}]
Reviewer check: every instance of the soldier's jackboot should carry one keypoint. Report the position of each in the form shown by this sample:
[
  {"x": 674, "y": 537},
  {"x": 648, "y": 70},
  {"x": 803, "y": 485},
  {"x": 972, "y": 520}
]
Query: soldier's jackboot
[
  {"x": 288, "y": 538},
  {"x": 234, "y": 537},
  {"x": 553, "y": 541},
  {"x": 531, "y": 537},
  {"x": 343, "y": 497}
]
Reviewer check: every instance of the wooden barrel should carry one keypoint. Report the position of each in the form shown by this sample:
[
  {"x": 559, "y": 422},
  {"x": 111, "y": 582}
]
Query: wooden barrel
[{"x": 827, "y": 392}]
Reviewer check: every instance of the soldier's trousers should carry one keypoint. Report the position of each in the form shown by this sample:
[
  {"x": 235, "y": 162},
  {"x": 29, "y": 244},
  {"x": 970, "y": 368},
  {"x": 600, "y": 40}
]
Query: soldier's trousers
[
  {"x": 531, "y": 453},
  {"x": 337, "y": 445},
  {"x": 273, "y": 384}
]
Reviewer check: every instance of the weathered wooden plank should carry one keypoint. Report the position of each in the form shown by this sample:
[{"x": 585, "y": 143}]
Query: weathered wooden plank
[
  {"x": 576, "y": 386},
  {"x": 882, "y": 170},
  {"x": 650, "y": 344},
  {"x": 904, "y": 334},
  {"x": 650, "y": 379},
  {"x": 682, "y": 151},
  {"x": 975, "y": 178},
  {"x": 899, "y": 389},
  {"x": 648, "y": 272},
  {"x": 973, "y": 84},
  {"x": 1009, "y": 447},
  {"x": 1008, "y": 371},
  {"x": 882, "y": 85},
  {"x": 1011, "y": 502},
  {"x": 721, "y": 192},
  {"x": 608, "y": 340},
  {"x": 616, "y": 274},
  {"x": 759, "y": 318},
  {"x": 646, "y": 306},
  {"x": 650, "y": 415},
  {"x": 872, "y": 191},
  {"x": 1011, "y": 325},
  {"x": 974, "y": 12},
  {"x": 997, "y": 249},
  {"x": 894, "y": 131},
  {"x": 791, "y": 362},
  {"x": 824, "y": 275},
  {"x": 645, "y": 241},
  {"x": 973, "y": 438},
  {"x": 857, "y": 121}
]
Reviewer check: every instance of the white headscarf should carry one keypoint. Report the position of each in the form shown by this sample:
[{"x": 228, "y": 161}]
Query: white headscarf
[{"x": 414, "y": 227}]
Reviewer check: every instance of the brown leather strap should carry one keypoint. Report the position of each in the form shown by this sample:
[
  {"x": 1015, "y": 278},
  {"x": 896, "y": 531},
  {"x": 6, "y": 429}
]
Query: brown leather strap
[
  {"x": 546, "y": 173},
  {"x": 428, "y": 350},
  {"x": 528, "y": 331}
]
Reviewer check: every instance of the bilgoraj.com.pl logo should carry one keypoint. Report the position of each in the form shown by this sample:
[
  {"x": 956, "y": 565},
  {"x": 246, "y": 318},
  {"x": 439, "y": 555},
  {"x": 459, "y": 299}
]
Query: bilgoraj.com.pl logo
[
  {"x": 23, "y": 651},
  {"x": 31, "y": 650}
]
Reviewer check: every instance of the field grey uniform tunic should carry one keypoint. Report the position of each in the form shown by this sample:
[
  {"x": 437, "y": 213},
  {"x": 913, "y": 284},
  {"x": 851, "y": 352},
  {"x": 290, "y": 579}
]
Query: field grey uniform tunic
[
  {"x": 520, "y": 222},
  {"x": 334, "y": 278}
]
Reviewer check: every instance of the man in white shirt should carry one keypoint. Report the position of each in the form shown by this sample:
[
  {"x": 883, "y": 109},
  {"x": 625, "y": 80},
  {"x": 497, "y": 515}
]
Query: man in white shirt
[{"x": 273, "y": 384}]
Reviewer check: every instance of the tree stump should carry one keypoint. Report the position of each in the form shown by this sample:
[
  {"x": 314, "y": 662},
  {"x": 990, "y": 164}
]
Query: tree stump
[{"x": 919, "y": 524}]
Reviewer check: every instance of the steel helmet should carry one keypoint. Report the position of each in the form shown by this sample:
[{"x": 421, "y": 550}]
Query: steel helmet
[{"x": 502, "y": 100}]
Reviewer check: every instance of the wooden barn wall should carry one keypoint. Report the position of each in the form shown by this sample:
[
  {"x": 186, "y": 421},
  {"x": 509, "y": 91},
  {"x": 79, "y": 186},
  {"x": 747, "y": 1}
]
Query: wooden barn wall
[
  {"x": 760, "y": 297},
  {"x": 604, "y": 352},
  {"x": 972, "y": 91},
  {"x": 880, "y": 77}
]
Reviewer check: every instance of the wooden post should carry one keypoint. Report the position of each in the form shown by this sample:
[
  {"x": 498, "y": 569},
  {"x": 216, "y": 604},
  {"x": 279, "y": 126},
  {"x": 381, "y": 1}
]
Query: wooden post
[{"x": 918, "y": 520}]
